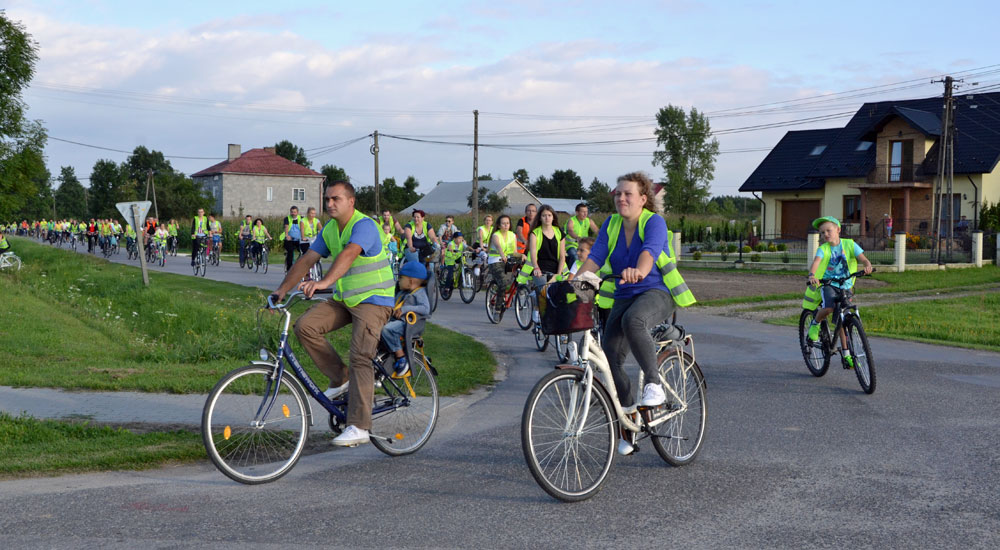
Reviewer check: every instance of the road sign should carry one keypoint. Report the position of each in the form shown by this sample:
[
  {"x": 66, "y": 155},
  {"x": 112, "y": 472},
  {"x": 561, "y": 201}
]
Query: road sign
[{"x": 126, "y": 209}]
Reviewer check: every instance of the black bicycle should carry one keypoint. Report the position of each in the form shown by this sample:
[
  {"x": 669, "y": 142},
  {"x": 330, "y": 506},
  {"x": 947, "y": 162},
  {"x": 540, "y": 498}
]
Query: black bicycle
[{"x": 848, "y": 326}]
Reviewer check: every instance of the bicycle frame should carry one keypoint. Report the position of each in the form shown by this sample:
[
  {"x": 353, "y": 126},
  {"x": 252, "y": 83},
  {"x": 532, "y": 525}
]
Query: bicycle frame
[
  {"x": 592, "y": 355},
  {"x": 332, "y": 406}
]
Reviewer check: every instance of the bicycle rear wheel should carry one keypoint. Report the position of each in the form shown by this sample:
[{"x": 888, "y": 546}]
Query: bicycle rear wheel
[
  {"x": 432, "y": 287},
  {"x": 247, "y": 451},
  {"x": 406, "y": 428},
  {"x": 864, "y": 363},
  {"x": 567, "y": 465},
  {"x": 541, "y": 339},
  {"x": 494, "y": 305},
  {"x": 522, "y": 308},
  {"x": 817, "y": 360},
  {"x": 263, "y": 260},
  {"x": 467, "y": 289},
  {"x": 679, "y": 439},
  {"x": 562, "y": 347}
]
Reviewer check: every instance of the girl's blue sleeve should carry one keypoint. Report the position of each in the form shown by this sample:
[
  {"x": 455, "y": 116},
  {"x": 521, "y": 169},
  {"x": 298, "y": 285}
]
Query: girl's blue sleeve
[
  {"x": 655, "y": 238},
  {"x": 599, "y": 252}
]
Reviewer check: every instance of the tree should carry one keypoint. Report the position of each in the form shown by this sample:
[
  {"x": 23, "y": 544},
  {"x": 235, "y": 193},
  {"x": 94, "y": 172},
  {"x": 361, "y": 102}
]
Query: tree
[
  {"x": 521, "y": 175},
  {"x": 105, "y": 180},
  {"x": 364, "y": 199},
  {"x": 24, "y": 180},
  {"x": 489, "y": 202},
  {"x": 563, "y": 184},
  {"x": 485, "y": 177},
  {"x": 292, "y": 152},
  {"x": 71, "y": 197},
  {"x": 333, "y": 173},
  {"x": 599, "y": 198},
  {"x": 397, "y": 197},
  {"x": 687, "y": 158}
]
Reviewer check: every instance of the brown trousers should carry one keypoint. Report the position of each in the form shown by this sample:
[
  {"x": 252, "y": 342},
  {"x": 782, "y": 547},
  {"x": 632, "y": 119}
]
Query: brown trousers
[{"x": 368, "y": 320}]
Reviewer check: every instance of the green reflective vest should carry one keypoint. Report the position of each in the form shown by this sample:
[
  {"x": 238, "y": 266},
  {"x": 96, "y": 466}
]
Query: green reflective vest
[
  {"x": 526, "y": 270},
  {"x": 453, "y": 253},
  {"x": 484, "y": 234},
  {"x": 509, "y": 244},
  {"x": 200, "y": 225},
  {"x": 666, "y": 262},
  {"x": 259, "y": 233},
  {"x": 367, "y": 276},
  {"x": 310, "y": 228},
  {"x": 813, "y": 297},
  {"x": 581, "y": 228}
]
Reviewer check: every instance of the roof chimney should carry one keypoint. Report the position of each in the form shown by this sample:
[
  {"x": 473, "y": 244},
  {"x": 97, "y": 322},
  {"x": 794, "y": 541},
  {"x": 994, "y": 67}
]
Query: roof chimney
[
  {"x": 234, "y": 151},
  {"x": 272, "y": 150}
]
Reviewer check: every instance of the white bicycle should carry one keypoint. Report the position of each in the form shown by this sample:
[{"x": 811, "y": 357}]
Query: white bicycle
[
  {"x": 9, "y": 260},
  {"x": 572, "y": 419}
]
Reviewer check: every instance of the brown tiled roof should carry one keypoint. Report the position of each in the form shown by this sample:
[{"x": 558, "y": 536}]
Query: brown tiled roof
[{"x": 258, "y": 161}]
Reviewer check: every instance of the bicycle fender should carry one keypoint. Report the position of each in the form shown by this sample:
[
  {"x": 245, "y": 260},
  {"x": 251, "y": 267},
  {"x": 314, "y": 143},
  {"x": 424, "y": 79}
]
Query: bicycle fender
[{"x": 296, "y": 384}]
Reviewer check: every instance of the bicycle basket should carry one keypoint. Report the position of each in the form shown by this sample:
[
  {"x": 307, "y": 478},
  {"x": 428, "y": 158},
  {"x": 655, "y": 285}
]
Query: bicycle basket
[{"x": 567, "y": 307}]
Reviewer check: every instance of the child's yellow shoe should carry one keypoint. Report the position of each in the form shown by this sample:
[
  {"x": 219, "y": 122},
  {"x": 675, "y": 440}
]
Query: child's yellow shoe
[
  {"x": 813, "y": 332},
  {"x": 848, "y": 360}
]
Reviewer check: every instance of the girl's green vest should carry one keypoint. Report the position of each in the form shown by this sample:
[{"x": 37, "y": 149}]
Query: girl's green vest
[
  {"x": 813, "y": 297},
  {"x": 509, "y": 247},
  {"x": 526, "y": 270}
]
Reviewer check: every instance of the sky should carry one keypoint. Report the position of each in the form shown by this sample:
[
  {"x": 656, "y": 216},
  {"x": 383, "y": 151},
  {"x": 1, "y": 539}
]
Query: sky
[{"x": 558, "y": 85}]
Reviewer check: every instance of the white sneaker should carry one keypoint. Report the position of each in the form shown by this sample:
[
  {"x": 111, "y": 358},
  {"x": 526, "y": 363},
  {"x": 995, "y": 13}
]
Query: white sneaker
[
  {"x": 625, "y": 448},
  {"x": 652, "y": 396},
  {"x": 334, "y": 393},
  {"x": 535, "y": 317},
  {"x": 352, "y": 436}
]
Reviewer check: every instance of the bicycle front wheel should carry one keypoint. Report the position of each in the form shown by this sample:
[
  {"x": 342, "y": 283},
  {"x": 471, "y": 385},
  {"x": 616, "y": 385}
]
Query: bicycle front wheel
[
  {"x": 679, "y": 439},
  {"x": 248, "y": 449},
  {"x": 541, "y": 339},
  {"x": 569, "y": 461},
  {"x": 864, "y": 363},
  {"x": 467, "y": 290},
  {"x": 263, "y": 260},
  {"x": 407, "y": 427},
  {"x": 432, "y": 288},
  {"x": 522, "y": 308},
  {"x": 817, "y": 360},
  {"x": 494, "y": 311}
]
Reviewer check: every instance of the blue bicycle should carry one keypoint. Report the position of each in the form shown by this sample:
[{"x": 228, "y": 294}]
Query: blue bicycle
[{"x": 255, "y": 424}]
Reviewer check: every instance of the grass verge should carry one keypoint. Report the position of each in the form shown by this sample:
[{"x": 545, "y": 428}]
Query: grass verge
[
  {"x": 32, "y": 447},
  {"x": 968, "y": 322},
  {"x": 78, "y": 322}
]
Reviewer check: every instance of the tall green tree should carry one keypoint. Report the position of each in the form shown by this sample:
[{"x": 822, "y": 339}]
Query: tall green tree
[
  {"x": 521, "y": 175},
  {"x": 564, "y": 184},
  {"x": 489, "y": 202},
  {"x": 292, "y": 152},
  {"x": 105, "y": 181},
  {"x": 334, "y": 173},
  {"x": 687, "y": 155},
  {"x": 22, "y": 142},
  {"x": 599, "y": 198},
  {"x": 397, "y": 197},
  {"x": 71, "y": 197}
]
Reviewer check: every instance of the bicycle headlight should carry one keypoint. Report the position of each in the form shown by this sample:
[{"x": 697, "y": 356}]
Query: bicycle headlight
[{"x": 264, "y": 354}]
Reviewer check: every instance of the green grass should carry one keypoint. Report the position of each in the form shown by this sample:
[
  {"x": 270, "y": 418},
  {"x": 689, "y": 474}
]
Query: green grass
[
  {"x": 75, "y": 321},
  {"x": 969, "y": 322},
  {"x": 31, "y": 447},
  {"x": 910, "y": 281}
]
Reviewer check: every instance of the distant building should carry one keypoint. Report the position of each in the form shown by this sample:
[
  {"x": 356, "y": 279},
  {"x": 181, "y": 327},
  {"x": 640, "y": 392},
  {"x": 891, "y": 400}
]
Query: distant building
[
  {"x": 452, "y": 197},
  {"x": 881, "y": 166},
  {"x": 260, "y": 183}
]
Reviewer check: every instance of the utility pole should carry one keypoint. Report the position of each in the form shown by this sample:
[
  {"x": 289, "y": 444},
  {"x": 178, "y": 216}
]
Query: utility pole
[
  {"x": 151, "y": 183},
  {"x": 943, "y": 184},
  {"x": 475, "y": 168},
  {"x": 374, "y": 150}
]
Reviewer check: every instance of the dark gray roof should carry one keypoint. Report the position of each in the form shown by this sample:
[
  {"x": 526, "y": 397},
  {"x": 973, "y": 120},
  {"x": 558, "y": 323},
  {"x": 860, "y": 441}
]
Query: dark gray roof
[{"x": 787, "y": 166}]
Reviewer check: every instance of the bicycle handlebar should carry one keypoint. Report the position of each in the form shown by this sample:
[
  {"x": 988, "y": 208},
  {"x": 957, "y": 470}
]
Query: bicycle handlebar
[
  {"x": 291, "y": 296},
  {"x": 824, "y": 282}
]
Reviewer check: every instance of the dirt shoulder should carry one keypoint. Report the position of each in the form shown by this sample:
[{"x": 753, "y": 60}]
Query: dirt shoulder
[{"x": 715, "y": 285}]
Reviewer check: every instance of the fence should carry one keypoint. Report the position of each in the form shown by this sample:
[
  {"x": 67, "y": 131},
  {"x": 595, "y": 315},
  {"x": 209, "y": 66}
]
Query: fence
[{"x": 773, "y": 248}]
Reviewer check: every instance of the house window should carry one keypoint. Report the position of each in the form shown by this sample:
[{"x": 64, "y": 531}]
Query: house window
[
  {"x": 270, "y": 194},
  {"x": 818, "y": 150},
  {"x": 299, "y": 194},
  {"x": 901, "y": 160},
  {"x": 864, "y": 145},
  {"x": 215, "y": 192},
  {"x": 852, "y": 208}
]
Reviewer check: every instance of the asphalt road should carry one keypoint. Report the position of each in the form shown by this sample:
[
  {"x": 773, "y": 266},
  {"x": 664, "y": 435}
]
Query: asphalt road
[{"x": 789, "y": 461}]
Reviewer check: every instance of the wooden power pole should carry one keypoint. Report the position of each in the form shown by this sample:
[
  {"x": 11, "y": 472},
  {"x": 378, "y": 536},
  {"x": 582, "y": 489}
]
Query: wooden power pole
[
  {"x": 374, "y": 150},
  {"x": 475, "y": 168}
]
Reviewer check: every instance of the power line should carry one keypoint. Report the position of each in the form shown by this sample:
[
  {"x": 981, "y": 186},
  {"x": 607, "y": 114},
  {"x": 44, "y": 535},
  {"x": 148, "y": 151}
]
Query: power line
[{"x": 129, "y": 152}]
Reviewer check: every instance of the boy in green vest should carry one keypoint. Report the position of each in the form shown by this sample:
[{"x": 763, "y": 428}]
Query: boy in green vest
[{"x": 836, "y": 258}]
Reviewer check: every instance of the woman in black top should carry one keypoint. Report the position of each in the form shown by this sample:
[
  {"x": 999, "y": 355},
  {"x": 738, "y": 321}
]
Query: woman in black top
[{"x": 548, "y": 256}]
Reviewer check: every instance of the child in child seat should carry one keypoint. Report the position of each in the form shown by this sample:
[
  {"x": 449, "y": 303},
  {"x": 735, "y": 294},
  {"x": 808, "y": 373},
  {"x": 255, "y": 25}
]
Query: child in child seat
[{"x": 412, "y": 296}]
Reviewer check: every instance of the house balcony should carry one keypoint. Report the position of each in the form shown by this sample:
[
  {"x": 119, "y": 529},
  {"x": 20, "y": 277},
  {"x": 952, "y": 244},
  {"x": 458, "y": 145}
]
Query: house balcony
[{"x": 896, "y": 176}]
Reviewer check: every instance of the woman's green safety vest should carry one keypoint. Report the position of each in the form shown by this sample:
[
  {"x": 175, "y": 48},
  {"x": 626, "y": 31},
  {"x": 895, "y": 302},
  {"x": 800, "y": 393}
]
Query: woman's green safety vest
[
  {"x": 509, "y": 247},
  {"x": 367, "y": 276},
  {"x": 310, "y": 228},
  {"x": 526, "y": 270},
  {"x": 666, "y": 262},
  {"x": 813, "y": 297},
  {"x": 200, "y": 225},
  {"x": 259, "y": 233}
]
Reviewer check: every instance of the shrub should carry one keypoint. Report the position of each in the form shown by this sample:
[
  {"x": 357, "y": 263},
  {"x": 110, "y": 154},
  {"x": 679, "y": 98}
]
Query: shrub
[
  {"x": 772, "y": 248},
  {"x": 731, "y": 248},
  {"x": 746, "y": 249},
  {"x": 755, "y": 257},
  {"x": 782, "y": 247},
  {"x": 724, "y": 256},
  {"x": 759, "y": 247},
  {"x": 696, "y": 255},
  {"x": 785, "y": 258}
]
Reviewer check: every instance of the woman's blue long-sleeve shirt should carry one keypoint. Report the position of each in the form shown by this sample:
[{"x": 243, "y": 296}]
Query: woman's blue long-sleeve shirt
[{"x": 624, "y": 255}]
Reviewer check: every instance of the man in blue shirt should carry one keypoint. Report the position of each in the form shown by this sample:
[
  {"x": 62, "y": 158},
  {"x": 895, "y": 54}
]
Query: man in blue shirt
[{"x": 366, "y": 317}]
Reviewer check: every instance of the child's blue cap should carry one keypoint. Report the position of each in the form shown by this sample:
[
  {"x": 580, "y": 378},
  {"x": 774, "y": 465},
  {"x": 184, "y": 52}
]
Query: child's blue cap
[
  {"x": 456, "y": 235},
  {"x": 415, "y": 270},
  {"x": 820, "y": 221}
]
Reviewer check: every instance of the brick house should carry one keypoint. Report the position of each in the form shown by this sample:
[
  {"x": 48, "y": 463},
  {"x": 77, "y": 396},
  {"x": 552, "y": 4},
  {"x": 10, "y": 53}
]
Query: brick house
[
  {"x": 260, "y": 183},
  {"x": 882, "y": 164}
]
